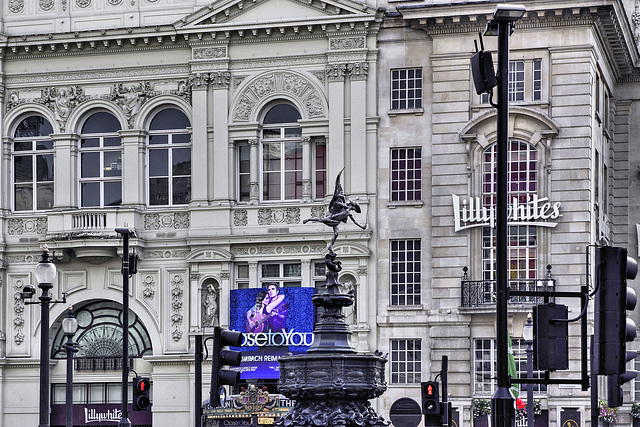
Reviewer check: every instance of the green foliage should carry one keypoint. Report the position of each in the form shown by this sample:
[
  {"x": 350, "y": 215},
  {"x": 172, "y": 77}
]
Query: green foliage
[
  {"x": 607, "y": 414},
  {"x": 481, "y": 407}
]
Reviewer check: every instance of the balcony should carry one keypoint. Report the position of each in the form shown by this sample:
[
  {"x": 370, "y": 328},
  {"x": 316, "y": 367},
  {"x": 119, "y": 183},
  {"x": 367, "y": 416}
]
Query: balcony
[{"x": 482, "y": 293}]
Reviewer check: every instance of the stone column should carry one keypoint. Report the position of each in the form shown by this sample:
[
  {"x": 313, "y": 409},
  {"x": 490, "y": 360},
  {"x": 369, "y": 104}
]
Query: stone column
[
  {"x": 65, "y": 170},
  {"x": 358, "y": 75},
  {"x": 223, "y": 180},
  {"x": 335, "y": 148},
  {"x": 254, "y": 162},
  {"x": 199, "y": 142},
  {"x": 133, "y": 173},
  {"x": 253, "y": 275}
]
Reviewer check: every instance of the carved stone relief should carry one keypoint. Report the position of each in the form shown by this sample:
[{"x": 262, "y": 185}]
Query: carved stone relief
[
  {"x": 178, "y": 220},
  {"x": 46, "y": 4},
  {"x": 278, "y": 83},
  {"x": 268, "y": 216},
  {"x": 335, "y": 72},
  {"x": 240, "y": 217},
  {"x": 220, "y": 79},
  {"x": 209, "y": 52},
  {"x": 18, "y": 312},
  {"x": 347, "y": 43},
  {"x": 149, "y": 285},
  {"x": 16, "y": 6},
  {"x": 176, "y": 307},
  {"x": 26, "y": 225},
  {"x": 83, "y": 3},
  {"x": 166, "y": 254},
  {"x": 130, "y": 98},
  {"x": 358, "y": 70}
]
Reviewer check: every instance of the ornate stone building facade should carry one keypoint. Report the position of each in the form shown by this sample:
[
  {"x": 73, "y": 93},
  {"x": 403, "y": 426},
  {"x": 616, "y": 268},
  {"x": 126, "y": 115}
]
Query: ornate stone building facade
[
  {"x": 212, "y": 130},
  {"x": 573, "y": 135}
]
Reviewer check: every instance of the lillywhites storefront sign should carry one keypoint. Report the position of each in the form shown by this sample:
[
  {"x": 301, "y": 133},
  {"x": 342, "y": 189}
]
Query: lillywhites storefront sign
[
  {"x": 95, "y": 416},
  {"x": 537, "y": 211}
]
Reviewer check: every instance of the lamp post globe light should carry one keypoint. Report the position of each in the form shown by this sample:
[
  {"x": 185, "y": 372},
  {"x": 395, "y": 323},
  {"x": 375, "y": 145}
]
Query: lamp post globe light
[
  {"x": 527, "y": 335},
  {"x": 69, "y": 327},
  {"x": 45, "y": 274}
]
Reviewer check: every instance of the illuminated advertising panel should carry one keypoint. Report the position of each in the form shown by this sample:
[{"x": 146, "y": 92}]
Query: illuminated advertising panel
[{"x": 274, "y": 322}]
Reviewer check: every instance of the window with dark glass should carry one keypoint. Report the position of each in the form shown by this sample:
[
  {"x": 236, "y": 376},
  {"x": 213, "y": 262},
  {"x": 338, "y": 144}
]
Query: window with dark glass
[
  {"x": 33, "y": 165},
  {"x": 406, "y": 88},
  {"x": 406, "y": 174},
  {"x": 406, "y": 361},
  {"x": 405, "y": 272},
  {"x": 169, "y": 153},
  {"x": 100, "y": 161},
  {"x": 281, "y": 154}
]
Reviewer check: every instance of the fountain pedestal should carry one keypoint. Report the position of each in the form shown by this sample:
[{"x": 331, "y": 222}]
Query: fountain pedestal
[{"x": 331, "y": 383}]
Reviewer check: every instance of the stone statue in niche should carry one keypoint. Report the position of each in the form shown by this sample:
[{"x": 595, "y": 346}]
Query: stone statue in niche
[
  {"x": 339, "y": 211},
  {"x": 348, "y": 286},
  {"x": 210, "y": 306}
]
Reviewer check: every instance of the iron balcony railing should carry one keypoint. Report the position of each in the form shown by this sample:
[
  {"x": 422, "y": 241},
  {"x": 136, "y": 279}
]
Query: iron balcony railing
[
  {"x": 482, "y": 293},
  {"x": 100, "y": 363}
]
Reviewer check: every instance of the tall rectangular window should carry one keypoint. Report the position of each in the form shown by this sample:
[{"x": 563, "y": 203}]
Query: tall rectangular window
[
  {"x": 406, "y": 356},
  {"x": 32, "y": 171},
  {"x": 484, "y": 366},
  {"x": 406, "y": 88},
  {"x": 537, "y": 79},
  {"x": 406, "y": 174},
  {"x": 286, "y": 274},
  {"x": 520, "y": 355},
  {"x": 516, "y": 81},
  {"x": 244, "y": 172},
  {"x": 320, "y": 170},
  {"x": 405, "y": 272}
]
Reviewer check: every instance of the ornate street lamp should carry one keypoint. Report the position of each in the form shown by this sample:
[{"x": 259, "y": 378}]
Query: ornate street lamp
[
  {"x": 69, "y": 326},
  {"x": 45, "y": 273},
  {"x": 527, "y": 335}
]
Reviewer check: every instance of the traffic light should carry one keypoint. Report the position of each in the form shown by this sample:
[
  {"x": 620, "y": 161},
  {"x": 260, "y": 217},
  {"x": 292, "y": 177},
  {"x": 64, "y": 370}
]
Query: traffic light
[
  {"x": 430, "y": 398},
  {"x": 550, "y": 337},
  {"x": 222, "y": 357},
  {"x": 612, "y": 300},
  {"x": 141, "y": 387}
]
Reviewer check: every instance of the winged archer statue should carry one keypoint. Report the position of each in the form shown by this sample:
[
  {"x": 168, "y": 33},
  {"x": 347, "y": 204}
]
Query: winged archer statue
[{"x": 339, "y": 212}]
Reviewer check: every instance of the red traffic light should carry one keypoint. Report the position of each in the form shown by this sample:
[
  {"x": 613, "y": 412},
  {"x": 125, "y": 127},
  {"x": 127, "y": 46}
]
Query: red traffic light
[
  {"x": 430, "y": 390},
  {"x": 142, "y": 385}
]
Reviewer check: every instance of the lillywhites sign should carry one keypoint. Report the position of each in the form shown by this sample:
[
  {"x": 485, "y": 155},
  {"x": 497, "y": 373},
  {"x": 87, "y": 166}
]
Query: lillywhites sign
[
  {"x": 537, "y": 211},
  {"x": 91, "y": 415}
]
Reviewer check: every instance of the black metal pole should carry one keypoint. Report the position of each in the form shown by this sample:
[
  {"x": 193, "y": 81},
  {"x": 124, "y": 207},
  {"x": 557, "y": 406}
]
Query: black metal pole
[
  {"x": 45, "y": 298},
  {"x": 68, "y": 400},
  {"x": 594, "y": 391},
  {"x": 502, "y": 413},
  {"x": 124, "y": 420},
  {"x": 198, "y": 381},
  {"x": 529, "y": 386},
  {"x": 446, "y": 422}
]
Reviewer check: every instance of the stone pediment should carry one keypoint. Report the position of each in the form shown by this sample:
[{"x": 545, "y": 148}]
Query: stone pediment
[{"x": 234, "y": 14}]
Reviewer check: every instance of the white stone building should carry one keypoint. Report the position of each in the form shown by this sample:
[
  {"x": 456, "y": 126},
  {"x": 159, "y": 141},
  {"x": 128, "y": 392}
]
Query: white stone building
[
  {"x": 573, "y": 126},
  {"x": 211, "y": 129}
]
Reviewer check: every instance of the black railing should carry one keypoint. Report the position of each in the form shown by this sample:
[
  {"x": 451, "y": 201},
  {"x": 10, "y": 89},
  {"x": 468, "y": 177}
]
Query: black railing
[
  {"x": 100, "y": 363},
  {"x": 480, "y": 293}
]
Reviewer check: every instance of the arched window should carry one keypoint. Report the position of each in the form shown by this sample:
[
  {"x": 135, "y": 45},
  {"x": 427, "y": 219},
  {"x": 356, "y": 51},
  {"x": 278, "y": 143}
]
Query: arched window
[
  {"x": 33, "y": 165},
  {"x": 100, "y": 161},
  {"x": 99, "y": 337},
  {"x": 281, "y": 154},
  {"x": 169, "y": 152},
  {"x": 523, "y": 185}
]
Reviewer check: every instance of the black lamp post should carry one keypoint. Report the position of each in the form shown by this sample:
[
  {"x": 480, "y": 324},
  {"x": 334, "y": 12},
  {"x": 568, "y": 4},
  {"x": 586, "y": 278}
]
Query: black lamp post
[
  {"x": 69, "y": 326},
  {"x": 527, "y": 335},
  {"x": 45, "y": 273},
  {"x": 504, "y": 18},
  {"x": 126, "y": 233}
]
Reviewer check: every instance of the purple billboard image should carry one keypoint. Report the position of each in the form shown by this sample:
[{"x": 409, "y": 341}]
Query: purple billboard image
[{"x": 274, "y": 321}]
